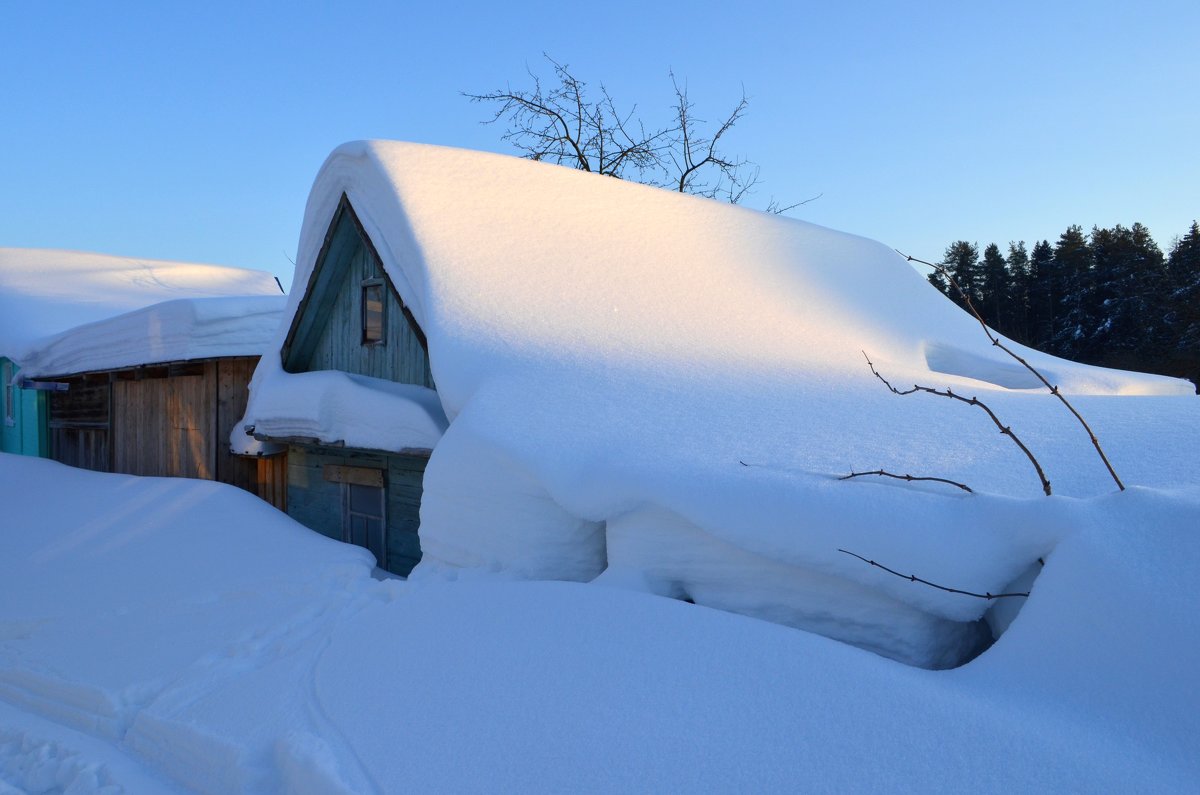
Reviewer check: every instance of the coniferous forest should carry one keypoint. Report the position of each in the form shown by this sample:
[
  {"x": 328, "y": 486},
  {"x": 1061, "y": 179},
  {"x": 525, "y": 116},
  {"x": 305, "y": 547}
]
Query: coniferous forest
[{"x": 1109, "y": 297}]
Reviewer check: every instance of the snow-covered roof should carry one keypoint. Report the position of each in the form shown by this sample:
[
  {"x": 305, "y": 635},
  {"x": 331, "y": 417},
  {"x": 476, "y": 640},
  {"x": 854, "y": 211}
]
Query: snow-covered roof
[
  {"x": 616, "y": 359},
  {"x": 172, "y": 331},
  {"x": 46, "y": 291}
]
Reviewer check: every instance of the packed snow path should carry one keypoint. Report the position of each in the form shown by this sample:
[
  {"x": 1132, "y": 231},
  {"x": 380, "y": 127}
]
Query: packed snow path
[{"x": 174, "y": 635}]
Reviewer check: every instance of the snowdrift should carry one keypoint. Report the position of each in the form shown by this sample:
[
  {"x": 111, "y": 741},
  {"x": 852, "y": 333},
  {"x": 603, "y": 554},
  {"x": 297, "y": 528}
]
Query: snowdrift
[
  {"x": 163, "y": 635},
  {"x": 663, "y": 389}
]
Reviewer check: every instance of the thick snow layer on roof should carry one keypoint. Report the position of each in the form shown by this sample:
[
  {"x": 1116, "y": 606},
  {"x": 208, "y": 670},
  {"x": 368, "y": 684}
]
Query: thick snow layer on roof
[
  {"x": 631, "y": 373},
  {"x": 179, "y": 330},
  {"x": 214, "y": 645},
  {"x": 351, "y": 405},
  {"x": 45, "y": 291}
]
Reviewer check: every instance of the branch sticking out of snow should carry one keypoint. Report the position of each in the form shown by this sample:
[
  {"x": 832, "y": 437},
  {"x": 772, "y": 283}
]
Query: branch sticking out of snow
[
  {"x": 1054, "y": 390},
  {"x": 906, "y": 477},
  {"x": 915, "y": 578},
  {"x": 1005, "y": 430}
]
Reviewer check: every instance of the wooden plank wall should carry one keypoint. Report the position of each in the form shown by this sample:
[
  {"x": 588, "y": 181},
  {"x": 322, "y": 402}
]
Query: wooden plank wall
[
  {"x": 338, "y": 346},
  {"x": 265, "y": 476},
  {"x": 78, "y": 424},
  {"x": 317, "y": 503},
  {"x": 165, "y": 426},
  {"x": 168, "y": 421}
]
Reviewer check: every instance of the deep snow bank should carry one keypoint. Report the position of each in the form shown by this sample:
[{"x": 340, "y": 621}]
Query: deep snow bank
[
  {"x": 164, "y": 633},
  {"x": 620, "y": 349}
]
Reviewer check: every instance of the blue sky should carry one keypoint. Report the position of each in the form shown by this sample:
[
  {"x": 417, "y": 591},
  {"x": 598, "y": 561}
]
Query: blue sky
[{"x": 193, "y": 131}]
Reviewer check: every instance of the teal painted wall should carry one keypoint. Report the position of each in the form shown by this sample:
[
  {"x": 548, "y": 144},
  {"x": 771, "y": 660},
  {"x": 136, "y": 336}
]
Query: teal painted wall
[
  {"x": 27, "y": 434},
  {"x": 318, "y": 503}
]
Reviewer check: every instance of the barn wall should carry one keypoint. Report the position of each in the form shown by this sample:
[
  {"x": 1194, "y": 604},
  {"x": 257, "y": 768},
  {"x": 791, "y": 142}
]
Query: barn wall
[
  {"x": 265, "y": 477},
  {"x": 166, "y": 426},
  {"x": 317, "y": 502},
  {"x": 79, "y": 422},
  {"x": 168, "y": 420}
]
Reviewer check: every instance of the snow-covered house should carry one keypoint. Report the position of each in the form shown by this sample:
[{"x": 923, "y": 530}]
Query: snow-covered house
[
  {"x": 133, "y": 366},
  {"x": 621, "y": 384}
]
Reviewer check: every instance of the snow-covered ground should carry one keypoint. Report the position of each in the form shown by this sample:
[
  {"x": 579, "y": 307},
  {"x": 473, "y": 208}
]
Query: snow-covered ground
[{"x": 161, "y": 635}]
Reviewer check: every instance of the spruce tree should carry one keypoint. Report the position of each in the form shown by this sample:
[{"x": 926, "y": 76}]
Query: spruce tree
[
  {"x": 995, "y": 301},
  {"x": 1073, "y": 288},
  {"x": 1183, "y": 266},
  {"x": 1127, "y": 309},
  {"x": 1019, "y": 278},
  {"x": 1043, "y": 295},
  {"x": 961, "y": 261}
]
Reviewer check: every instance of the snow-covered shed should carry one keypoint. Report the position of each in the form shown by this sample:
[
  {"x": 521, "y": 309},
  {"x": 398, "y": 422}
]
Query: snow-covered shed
[
  {"x": 622, "y": 384},
  {"x": 134, "y": 366}
]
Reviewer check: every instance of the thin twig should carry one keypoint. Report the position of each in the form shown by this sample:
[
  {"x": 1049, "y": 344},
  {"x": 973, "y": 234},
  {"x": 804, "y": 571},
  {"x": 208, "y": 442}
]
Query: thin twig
[
  {"x": 971, "y": 401},
  {"x": 910, "y": 478},
  {"x": 1054, "y": 390},
  {"x": 915, "y": 578}
]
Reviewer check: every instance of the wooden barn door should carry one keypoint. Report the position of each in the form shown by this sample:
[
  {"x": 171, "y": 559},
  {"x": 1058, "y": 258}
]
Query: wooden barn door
[{"x": 163, "y": 426}]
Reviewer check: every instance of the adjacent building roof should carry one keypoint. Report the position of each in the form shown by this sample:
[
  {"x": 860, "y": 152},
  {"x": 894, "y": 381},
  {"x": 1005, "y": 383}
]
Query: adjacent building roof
[
  {"x": 44, "y": 292},
  {"x": 171, "y": 331}
]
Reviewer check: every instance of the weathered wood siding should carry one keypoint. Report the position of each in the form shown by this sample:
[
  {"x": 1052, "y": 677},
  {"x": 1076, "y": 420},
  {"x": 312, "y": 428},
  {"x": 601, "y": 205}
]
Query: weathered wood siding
[
  {"x": 169, "y": 420},
  {"x": 328, "y": 331},
  {"x": 165, "y": 426},
  {"x": 265, "y": 476},
  {"x": 79, "y": 423},
  {"x": 319, "y": 503}
]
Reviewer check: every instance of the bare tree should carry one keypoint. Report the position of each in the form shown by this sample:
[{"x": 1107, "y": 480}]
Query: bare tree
[
  {"x": 696, "y": 161},
  {"x": 562, "y": 124}
]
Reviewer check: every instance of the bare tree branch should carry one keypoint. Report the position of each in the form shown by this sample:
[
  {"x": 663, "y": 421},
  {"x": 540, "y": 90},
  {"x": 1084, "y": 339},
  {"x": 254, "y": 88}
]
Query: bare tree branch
[
  {"x": 971, "y": 401},
  {"x": 915, "y": 578},
  {"x": 561, "y": 124},
  {"x": 1054, "y": 390},
  {"x": 909, "y": 478},
  {"x": 775, "y": 208}
]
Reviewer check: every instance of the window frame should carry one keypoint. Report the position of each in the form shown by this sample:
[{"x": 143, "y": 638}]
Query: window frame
[{"x": 364, "y": 313}]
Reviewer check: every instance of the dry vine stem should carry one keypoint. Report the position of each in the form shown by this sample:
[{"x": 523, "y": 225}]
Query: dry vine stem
[
  {"x": 910, "y": 478},
  {"x": 971, "y": 401},
  {"x": 915, "y": 578},
  {"x": 996, "y": 342}
]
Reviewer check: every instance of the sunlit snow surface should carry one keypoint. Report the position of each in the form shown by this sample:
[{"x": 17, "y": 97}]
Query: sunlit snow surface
[
  {"x": 158, "y": 635},
  {"x": 44, "y": 292},
  {"x": 178, "y": 330},
  {"x": 663, "y": 390}
]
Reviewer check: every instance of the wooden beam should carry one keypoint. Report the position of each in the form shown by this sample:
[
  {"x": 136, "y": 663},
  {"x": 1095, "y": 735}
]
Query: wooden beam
[{"x": 359, "y": 476}]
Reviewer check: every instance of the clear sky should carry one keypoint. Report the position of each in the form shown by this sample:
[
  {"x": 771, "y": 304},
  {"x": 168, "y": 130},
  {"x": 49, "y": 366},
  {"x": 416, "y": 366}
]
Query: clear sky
[{"x": 193, "y": 131}]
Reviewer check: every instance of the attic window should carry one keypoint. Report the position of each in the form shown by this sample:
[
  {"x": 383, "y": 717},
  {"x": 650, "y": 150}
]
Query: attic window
[{"x": 373, "y": 319}]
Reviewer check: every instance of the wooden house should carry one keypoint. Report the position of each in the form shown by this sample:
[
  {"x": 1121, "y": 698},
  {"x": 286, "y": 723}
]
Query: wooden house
[
  {"x": 158, "y": 391},
  {"x": 352, "y": 320}
]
